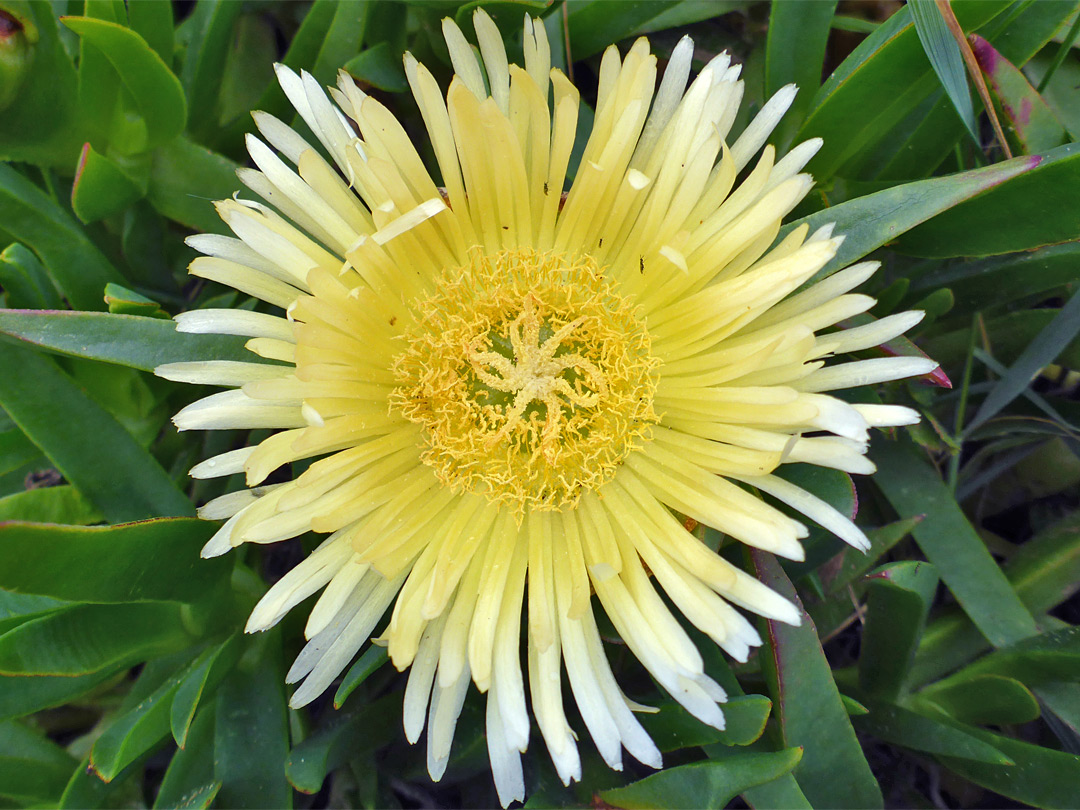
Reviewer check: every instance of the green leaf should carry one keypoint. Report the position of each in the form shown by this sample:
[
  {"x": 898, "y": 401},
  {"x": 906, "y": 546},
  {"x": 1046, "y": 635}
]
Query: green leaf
[
  {"x": 380, "y": 67},
  {"x": 593, "y": 24},
  {"x": 1041, "y": 777},
  {"x": 794, "y": 53},
  {"x": 153, "y": 21},
  {"x": 870, "y": 221},
  {"x": 673, "y": 728},
  {"x": 33, "y": 769},
  {"x": 60, "y": 504},
  {"x": 852, "y": 563},
  {"x": 22, "y": 695},
  {"x": 135, "y": 732},
  {"x": 85, "y": 639},
  {"x": 40, "y": 121},
  {"x": 851, "y": 113},
  {"x": 1024, "y": 114},
  {"x": 40, "y": 398},
  {"x": 984, "y": 700},
  {"x": 156, "y": 91},
  {"x": 77, "y": 267},
  {"x": 186, "y": 179},
  {"x": 153, "y": 560},
  {"x": 125, "y": 340},
  {"x": 122, "y": 301},
  {"x": 945, "y": 58},
  {"x": 25, "y": 280},
  {"x": 992, "y": 223},
  {"x": 346, "y": 737},
  {"x": 373, "y": 658},
  {"x": 901, "y": 726},
  {"x": 189, "y": 779},
  {"x": 704, "y": 784},
  {"x": 900, "y": 596},
  {"x": 949, "y": 541},
  {"x": 1045, "y": 572},
  {"x": 1053, "y": 656},
  {"x": 808, "y": 706},
  {"x": 198, "y": 682},
  {"x": 782, "y": 792},
  {"x": 211, "y": 27},
  {"x": 102, "y": 189},
  {"x": 251, "y": 735}
]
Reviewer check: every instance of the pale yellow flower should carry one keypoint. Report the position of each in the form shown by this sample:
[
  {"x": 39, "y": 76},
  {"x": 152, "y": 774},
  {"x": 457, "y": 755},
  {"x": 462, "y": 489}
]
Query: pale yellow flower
[{"x": 515, "y": 396}]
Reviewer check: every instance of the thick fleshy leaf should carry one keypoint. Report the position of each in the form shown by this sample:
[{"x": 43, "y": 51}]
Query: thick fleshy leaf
[
  {"x": 852, "y": 113},
  {"x": 85, "y": 639},
  {"x": 60, "y": 504},
  {"x": 154, "y": 560},
  {"x": 153, "y": 21},
  {"x": 348, "y": 736},
  {"x": 251, "y": 733},
  {"x": 808, "y": 706},
  {"x": 945, "y": 58},
  {"x": 710, "y": 784},
  {"x": 156, "y": 91},
  {"x": 379, "y": 67},
  {"x": 39, "y": 119},
  {"x": 907, "y": 728},
  {"x": 794, "y": 53},
  {"x": 211, "y": 27},
  {"x": 122, "y": 301},
  {"x": 594, "y": 25},
  {"x": 186, "y": 179},
  {"x": 673, "y": 727},
  {"x": 373, "y": 658},
  {"x": 1026, "y": 117},
  {"x": 1053, "y": 656},
  {"x": 126, "y": 340},
  {"x": 1041, "y": 776},
  {"x": 984, "y": 700},
  {"x": 870, "y": 221},
  {"x": 101, "y": 187},
  {"x": 783, "y": 792},
  {"x": 949, "y": 541},
  {"x": 33, "y": 769},
  {"x": 851, "y": 563},
  {"x": 74, "y": 263},
  {"x": 40, "y": 399},
  {"x": 25, "y": 280},
  {"x": 22, "y": 695},
  {"x": 899, "y": 599},
  {"x": 993, "y": 223},
  {"x": 198, "y": 682},
  {"x": 189, "y": 780},
  {"x": 1045, "y": 572}
]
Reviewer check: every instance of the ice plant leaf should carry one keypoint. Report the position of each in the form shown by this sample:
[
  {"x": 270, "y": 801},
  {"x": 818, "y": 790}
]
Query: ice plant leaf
[
  {"x": 21, "y": 695},
  {"x": 1027, "y": 117},
  {"x": 795, "y": 51},
  {"x": 76, "y": 266},
  {"x": 185, "y": 177},
  {"x": 904, "y": 727},
  {"x": 135, "y": 341},
  {"x": 101, "y": 188},
  {"x": 522, "y": 398},
  {"x": 1041, "y": 777},
  {"x": 149, "y": 560},
  {"x": 85, "y": 639},
  {"x": 60, "y": 504},
  {"x": 709, "y": 784},
  {"x": 200, "y": 679},
  {"x": 984, "y": 700},
  {"x": 987, "y": 225},
  {"x": 891, "y": 56},
  {"x": 900, "y": 595},
  {"x": 809, "y": 708},
  {"x": 944, "y": 55},
  {"x": 156, "y": 91},
  {"x": 39, "y": 396},
  {"x": 951, "y": 544},
  {"x": 875, "y": 219},
  {"x": 25, "y": 280}
]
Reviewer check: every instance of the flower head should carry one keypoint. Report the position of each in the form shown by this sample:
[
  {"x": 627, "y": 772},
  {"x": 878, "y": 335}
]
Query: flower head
[{"x": 516, "y": 397}]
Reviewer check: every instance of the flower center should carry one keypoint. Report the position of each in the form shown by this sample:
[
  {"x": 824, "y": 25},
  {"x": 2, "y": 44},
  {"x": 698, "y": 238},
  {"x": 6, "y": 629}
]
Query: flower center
[{"x": 532, "y": 378}]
